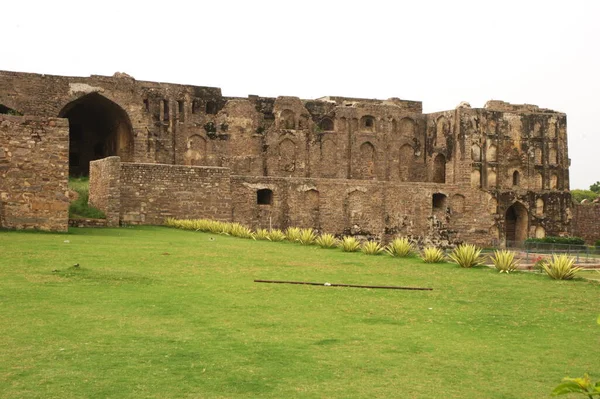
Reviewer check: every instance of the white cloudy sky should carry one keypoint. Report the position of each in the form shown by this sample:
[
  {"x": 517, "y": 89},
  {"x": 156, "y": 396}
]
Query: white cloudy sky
[{"x": 439, "y": 52}]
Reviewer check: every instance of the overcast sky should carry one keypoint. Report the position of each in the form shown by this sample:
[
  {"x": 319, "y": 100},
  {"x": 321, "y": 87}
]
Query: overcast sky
[{"x": 439, "y": 52}]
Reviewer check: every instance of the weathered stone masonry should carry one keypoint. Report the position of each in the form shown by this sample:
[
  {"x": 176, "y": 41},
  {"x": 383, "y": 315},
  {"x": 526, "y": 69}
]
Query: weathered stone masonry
[
  {"x": 34, "y": 172},
  {"x": 372, "y": 167}
]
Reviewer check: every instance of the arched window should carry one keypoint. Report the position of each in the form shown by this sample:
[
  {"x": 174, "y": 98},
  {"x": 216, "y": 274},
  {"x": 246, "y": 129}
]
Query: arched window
[
  {"x": 367, "y": 123},
  {"x": 326, "y": 124},
  {"x": 516, "y": 178},
  {"x": 264, "y": 197}
]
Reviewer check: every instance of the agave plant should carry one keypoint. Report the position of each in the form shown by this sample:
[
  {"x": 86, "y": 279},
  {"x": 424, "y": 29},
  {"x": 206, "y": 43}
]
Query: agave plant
[
  {"x": 400, "y": 247},
  {"x": 466, "y": 255},
  {"x": 292, "y": 234},
  {"x": 327, "y": 240},
  {"x": 561, "y": 267},
  {"x": 349, "y": 244},
  {"x": 261, "y": 234},
  {"x": 504, "y": 261},
  {"x": 276, "y": 235},
  {"x": 371, "y": 248},
  {"x": 241, "y": 231},
  {"x": 307, "y": 237},
  {"x": 433, "y": 255}
]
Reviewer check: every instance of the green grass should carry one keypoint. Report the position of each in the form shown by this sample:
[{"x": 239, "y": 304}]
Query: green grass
[
  {"x": 80, "y": 208},
  {"x": 153, "y": 312}
]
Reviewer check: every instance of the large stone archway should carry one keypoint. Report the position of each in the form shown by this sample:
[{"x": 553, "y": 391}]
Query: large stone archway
[
  {"x": 516, "y": 224},
  {"x": 98, "y": 128}
]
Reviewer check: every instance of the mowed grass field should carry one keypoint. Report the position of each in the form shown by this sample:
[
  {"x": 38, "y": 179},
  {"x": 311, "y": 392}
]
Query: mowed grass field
[{"x": 153, "y": 312}]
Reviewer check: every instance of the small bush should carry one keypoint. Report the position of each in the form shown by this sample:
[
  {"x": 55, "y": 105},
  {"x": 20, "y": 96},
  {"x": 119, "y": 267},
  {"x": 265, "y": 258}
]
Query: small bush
[
  {"x": 400, "y": 247},
  {"x": 261, "y": 234},
  {"x": 504, "y": 261},
  {"x": 433, "y": 255},
  {"x": 292, "y": 234},
  {"x": 327, "y": 241},
  {"x": 557, "y": 240},
  {"x": 307, "y": 237},
  {"x": 349, "y": 244},
  {"x": 372, "y": 248},
  {"x": 276, "y": 235},
  {"x": 597, "y": 244},
  {"x": 241, "y": 231},
  {"x": 561, "y": 267},
  {"x": 467, "y": 255}
]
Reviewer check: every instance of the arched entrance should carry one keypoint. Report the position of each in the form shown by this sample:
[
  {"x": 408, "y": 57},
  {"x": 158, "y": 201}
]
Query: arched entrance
[
  {"x": 98, "y": 128},
  {"x": 516, "y": 222}
]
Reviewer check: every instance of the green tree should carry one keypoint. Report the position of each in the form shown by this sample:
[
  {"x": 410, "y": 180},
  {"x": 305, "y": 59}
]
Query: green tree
[
  {"x": 580, "y": 195},
  {"x": 595, "y": 187}
]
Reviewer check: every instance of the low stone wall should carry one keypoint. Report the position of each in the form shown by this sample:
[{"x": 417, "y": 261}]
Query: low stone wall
[
  {"x": 34, "y": 169},
  {"x": 105, "y": 188},
  {"x": 586, "y": 222},
  {"x": 150, "y": 193},
  {"x": 137, "y": 193}
]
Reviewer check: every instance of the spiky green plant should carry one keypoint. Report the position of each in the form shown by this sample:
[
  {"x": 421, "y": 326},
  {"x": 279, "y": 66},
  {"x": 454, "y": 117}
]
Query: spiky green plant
[
  {"x": 292, "y": 234},
  {"x": 241, "y": 231},
  {"x": 504, "y": 261},
  {"x": 400, "y": 247},
  {"x": 466, "y": 255},
  {"x": 276, "y": 235},
  {"x": 261, "y": 234},
  {"x": 327, "y": 241},
  {"x": 371, "y": 248},
  {"x": 433, "y": 255},
  {"x": 307, "y": 237},
  {"x": 561, "y": 267},
  {"x": 349, "y": 244}
]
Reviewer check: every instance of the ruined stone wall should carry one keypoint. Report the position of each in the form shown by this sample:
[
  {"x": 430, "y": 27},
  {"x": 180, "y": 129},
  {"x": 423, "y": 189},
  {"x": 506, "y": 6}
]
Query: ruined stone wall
[
  {"x": 427, "y": 212},
  {"x": 586, "y": 222},
  {"x": 34, "y": 173},
  {"x": 150, "y": 193},
  {"x": 509, "y": 160}
]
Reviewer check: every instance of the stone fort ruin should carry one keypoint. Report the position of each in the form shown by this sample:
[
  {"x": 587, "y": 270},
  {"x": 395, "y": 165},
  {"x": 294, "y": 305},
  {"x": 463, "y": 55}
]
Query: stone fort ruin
[{"x": 342, "y": 165}]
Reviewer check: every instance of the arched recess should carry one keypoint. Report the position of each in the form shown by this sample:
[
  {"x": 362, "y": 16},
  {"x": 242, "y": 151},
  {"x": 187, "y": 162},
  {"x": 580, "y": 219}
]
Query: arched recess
[
  {"x": 552, "y": 156},
  {"x": 442, "y": 131},
  {"x": 516, "y": 223},
  {"x": 98, "y": 128},
  {"x": 439, "y": 169},
  {"x": 287, "y": 119},
  {"x": 287, "y": 156},
  {"x": 367, "y": 157},
  {"x": 516, "y": 178},
  {"x": 407, "y": 127},
  {"x": 195, "y": 153}
]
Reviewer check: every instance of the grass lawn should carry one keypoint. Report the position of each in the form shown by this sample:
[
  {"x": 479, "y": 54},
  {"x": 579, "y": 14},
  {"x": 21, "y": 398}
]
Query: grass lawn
[{"x": 153, "y": 312}]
